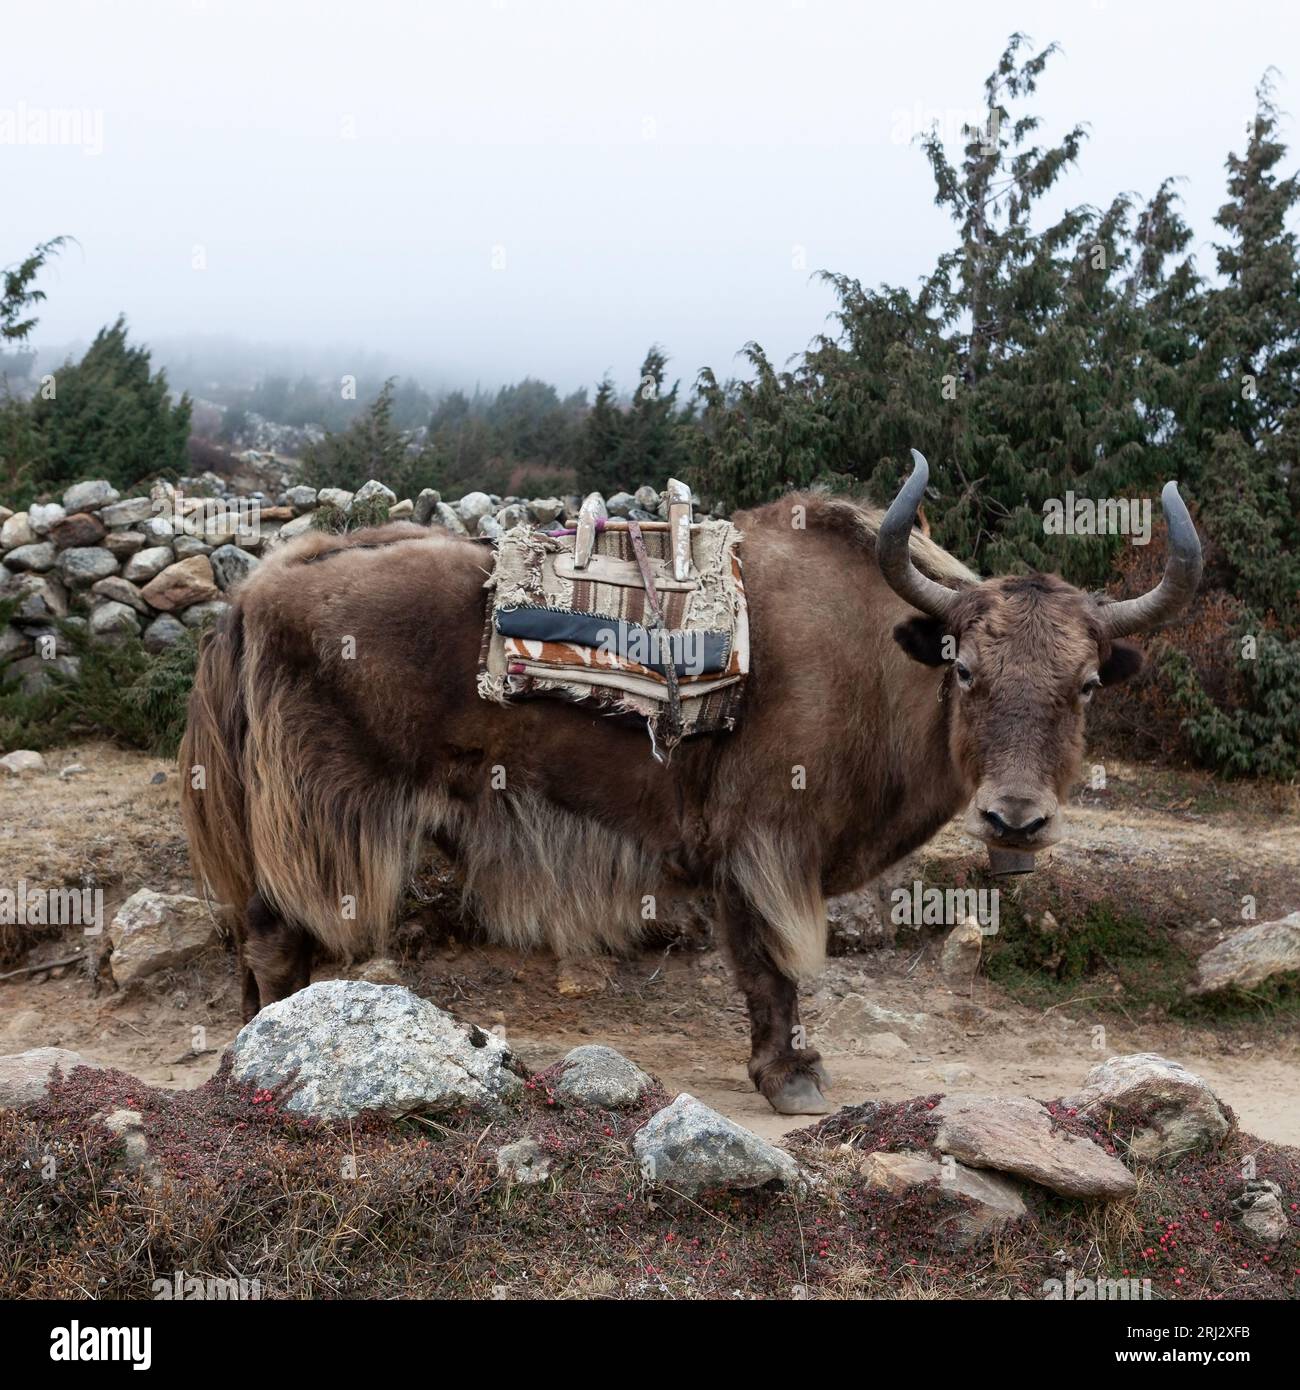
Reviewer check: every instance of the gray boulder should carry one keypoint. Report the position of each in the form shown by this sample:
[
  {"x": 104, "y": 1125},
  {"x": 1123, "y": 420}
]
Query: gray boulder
[
  {"x": 157, "y": 530},
  {"x": 185, "y": 547},
  {"x": 523, "y": 1163},
  {"x": 39, "y": 598},
  {"x": 130, "y": 512},
  {"x": 43, "y": 517},
  {"x": 599, "y": 1076},
  {"x": 1017, "y": 1136},
  {"x": 1249, "y": 957},
  {"x": 984, "y": 1202},
  {"x": 300, "y": 498},
  {"x": 22, "y": 762},
  {"x": 33, "y": 672},
  {"x": 124, "y": 544},
  {"x": 425, "y": 505},
  {"x": 89, "y": 497},
  {"x": 647, "y": 499},
  {"x": 35, "y": 558},
  {"x": 688, "y": 1147},
  {"x": 120, "y": 591},
  {"x": 154, "y": 931},
  {"x": 111, "y": 621},
  {"x": 1259, "y": 1214},
  {"x": 25, "y": 1076},
  {"x": 374, "y": 488},
  {"x": 81, "y": 566},
  {"x": 446, "y": 516},
  {"x": 147, "y": 564},
  {"x": 231, "y": 566},
  {"x": 352, "y": 1046},
  {"x": 544, "y": 510},
  {"x": 162, "y": 633},
  {"x": 473, "y": 506},
  {"x": 1182, "y": 1114},
  {"x": 199, "y": 614},
  {"x": 620, "y": 504},
  {"x": 335, "y": 497}
]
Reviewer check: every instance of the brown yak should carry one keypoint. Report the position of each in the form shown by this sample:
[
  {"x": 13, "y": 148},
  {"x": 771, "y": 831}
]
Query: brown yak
[{"x": 336, "y": 722}]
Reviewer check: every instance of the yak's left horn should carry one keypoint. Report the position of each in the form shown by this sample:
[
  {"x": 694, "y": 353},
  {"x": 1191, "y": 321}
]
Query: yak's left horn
[
  {"x": 1177, "y": 585},
  {"x": 892, "y": 548}
]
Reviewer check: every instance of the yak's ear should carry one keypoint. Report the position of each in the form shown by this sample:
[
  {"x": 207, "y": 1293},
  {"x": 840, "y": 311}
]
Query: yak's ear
[
  {"x": 922, "y": 640},
  {"x": 1124, "y": 661}
]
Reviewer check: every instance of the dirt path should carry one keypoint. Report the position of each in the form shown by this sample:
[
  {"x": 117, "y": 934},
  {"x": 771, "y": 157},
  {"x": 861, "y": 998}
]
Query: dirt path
[{"x": 887, "y": 1023}]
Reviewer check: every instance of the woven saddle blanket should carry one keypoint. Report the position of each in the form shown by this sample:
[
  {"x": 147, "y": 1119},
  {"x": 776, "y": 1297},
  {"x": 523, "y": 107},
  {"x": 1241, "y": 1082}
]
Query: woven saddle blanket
[{"x": 589, "y": 635}]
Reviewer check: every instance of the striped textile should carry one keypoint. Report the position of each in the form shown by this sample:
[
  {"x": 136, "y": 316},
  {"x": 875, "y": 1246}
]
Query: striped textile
[{"x": 534, "y": 571}]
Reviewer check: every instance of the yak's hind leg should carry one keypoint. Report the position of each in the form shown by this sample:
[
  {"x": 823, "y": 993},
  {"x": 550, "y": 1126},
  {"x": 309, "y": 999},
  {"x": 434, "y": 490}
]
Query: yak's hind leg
[
  {"x": 276, "y": 957},
  {"x": 788, "y": 1074}
]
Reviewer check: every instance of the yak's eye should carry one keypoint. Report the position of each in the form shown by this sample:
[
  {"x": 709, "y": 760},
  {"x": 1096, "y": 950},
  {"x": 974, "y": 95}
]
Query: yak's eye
[
  {"x": 1091, "y": 684},
  {"x": 963, "y": 672}
]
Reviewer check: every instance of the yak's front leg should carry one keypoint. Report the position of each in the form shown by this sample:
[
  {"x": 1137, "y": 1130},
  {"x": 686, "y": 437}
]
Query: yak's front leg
[
  {"x": 789, "y": 1075},
  {"x": 276, "y": 956}
]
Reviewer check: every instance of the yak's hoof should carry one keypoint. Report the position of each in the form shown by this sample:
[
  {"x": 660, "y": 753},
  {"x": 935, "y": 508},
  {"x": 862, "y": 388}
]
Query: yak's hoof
[
  {"x": 800, "y": 1095},
  {"x": 822, "y": 1075}
]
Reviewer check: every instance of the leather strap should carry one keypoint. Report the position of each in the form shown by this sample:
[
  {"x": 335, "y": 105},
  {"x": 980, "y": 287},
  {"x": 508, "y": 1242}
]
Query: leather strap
[{"x": 674, "y": 720}]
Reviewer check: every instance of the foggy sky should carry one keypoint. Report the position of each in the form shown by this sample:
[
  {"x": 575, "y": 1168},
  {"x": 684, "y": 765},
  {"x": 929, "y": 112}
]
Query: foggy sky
[{"x": 491, "y": 188}]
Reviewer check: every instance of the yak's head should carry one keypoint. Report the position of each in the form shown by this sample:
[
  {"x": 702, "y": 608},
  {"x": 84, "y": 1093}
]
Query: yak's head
[{"x": 1026, "y": 656}]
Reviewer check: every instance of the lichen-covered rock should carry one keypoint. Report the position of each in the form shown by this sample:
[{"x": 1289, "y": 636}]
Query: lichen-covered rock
[
  {"x": 130, "y": 512},
  {"x": 352, "y": 1046},
  {"x": 39, "y": 597},
  {"x": 984, "y": 1202},
  {"x": 154, "y": 931},
  {"x": 374, "y": 488},
  {"x": 33, "y": 672},
  {"x": 335, "y": 497},
  {"x": 165, "y": 631},
  {"x": 231, "y": 566},
  {"x": 89, "y": 496},
  {"x": 1016, "y": 1136},
  {"x": 120, "y": 590},
  {"x": 1259, "y": 1214},
  {"x": 688, "y": 1147},
  {"x": 599, "y": 1076},
  {"x": 82, "y": 565},
  {"x": 25, "y": 1076},
  {"x": 22, "y": 762},
  {"x": 202, "y": 613},
  {"x": 300, "y": 498},
  {"x": 446, "y": 516},
  {"x": 1249, "y": 957},
  {"x": 148, "y": 563},
  {"x": 523, "y": 1163},
  {"x": 1180, "y": 1113},
  {"x": 35, "y": 558},
  {"x": 111, "y": 621}
]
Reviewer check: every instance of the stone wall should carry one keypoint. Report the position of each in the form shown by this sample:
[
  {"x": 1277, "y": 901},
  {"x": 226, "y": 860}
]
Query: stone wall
[{"x": 153, "y": 566}]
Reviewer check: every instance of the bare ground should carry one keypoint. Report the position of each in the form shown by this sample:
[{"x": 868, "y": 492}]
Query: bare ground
[{"x": 1177, "y": 847}]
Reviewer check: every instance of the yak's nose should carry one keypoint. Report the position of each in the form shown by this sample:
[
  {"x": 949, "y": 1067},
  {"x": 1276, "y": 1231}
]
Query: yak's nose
[{"x": 1014, "y": 815}]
